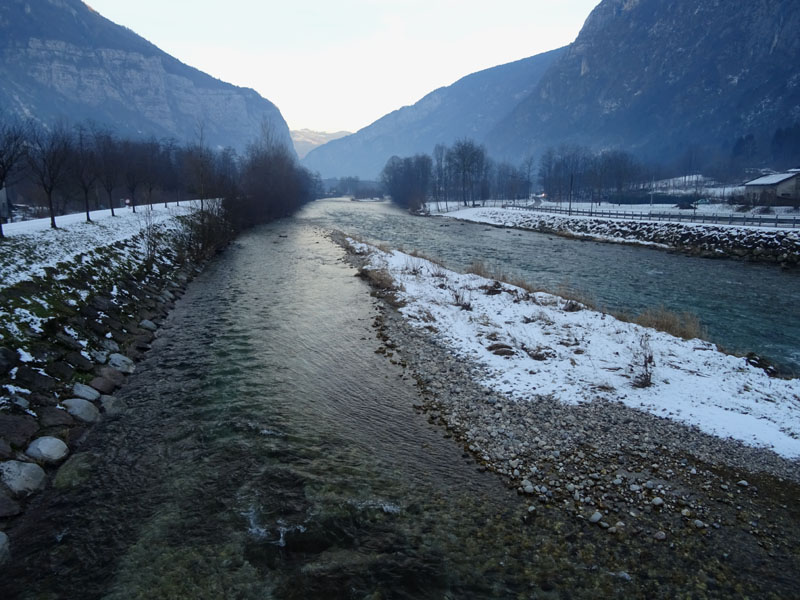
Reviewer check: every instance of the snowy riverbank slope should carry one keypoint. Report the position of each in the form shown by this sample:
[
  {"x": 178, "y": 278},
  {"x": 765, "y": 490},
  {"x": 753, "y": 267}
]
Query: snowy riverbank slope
[
  {"x": 537, "y": 344},
  {"x": 763, "y": 244}
]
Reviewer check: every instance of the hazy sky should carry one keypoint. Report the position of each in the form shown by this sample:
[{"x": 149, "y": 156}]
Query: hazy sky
[{"x": 341, "y": 64}]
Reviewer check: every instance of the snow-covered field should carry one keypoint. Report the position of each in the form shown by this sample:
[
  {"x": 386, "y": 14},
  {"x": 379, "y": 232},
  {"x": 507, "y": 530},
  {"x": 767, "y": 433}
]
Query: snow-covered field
[
  {"x": 538, "y": 344},
  {"x": 31, "y": 246},
  {"x": 703, "y": 212}
]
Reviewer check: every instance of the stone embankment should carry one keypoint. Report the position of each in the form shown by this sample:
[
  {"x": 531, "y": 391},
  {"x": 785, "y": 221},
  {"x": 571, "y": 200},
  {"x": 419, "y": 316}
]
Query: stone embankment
[
  {"x": 757, "y": 244},
  {"x": 59, "y": 371}
]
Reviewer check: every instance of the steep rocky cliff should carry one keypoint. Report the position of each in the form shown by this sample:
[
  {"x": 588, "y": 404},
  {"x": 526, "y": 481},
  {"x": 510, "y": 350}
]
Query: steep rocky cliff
[
  {"x": 656, "y": 76},
  {"x": 59, "y": 59},
  {"x": 468, "y": 108}
]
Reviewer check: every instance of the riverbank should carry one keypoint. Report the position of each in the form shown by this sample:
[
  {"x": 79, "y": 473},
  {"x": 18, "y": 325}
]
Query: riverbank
[
  {"x": 651, "y": 484},
  {"x": 755, "y": 244},
  {"x": 78, "y": 307}
]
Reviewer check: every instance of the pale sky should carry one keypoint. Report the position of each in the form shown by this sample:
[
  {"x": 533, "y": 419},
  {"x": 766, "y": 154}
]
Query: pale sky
[{"x": 334, "y": 65}]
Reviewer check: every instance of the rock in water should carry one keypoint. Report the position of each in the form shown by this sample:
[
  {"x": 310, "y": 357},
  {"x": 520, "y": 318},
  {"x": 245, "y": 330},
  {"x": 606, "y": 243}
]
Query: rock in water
[
  {"x": 5, "y": 551},
  {"x": 22, "y": 478},
  {"x": 121, "y": 363}
]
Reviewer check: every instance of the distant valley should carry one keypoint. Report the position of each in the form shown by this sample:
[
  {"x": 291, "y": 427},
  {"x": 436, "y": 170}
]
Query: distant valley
[
  {"x": 668, "y": 80},
  {"x": 305, "y": 140}
]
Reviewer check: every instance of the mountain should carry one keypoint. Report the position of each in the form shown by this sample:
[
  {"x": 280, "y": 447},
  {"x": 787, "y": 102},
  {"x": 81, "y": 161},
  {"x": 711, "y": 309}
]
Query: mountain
[
  {"x": 470, "y": 107},
  {"x": 659, "y": 76},
  {"x": 305, "y": 140},
  {"x": 61, "y": 59}
]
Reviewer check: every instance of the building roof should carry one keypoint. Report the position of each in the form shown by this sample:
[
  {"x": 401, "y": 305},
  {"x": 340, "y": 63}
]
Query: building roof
[{"x": 772, "y": 179}]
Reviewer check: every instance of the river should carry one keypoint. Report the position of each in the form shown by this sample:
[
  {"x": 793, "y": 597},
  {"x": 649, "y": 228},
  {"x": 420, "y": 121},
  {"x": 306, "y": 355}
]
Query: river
[
  {"x": 744, "y": 307},
  {"x": 269, "y": 452}
]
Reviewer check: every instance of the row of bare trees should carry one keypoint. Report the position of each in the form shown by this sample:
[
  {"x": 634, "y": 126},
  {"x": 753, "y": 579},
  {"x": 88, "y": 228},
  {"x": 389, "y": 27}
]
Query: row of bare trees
[
  {"x": 463, "y": 173},
  {"x": 576, "y": 173},
  {"x": 87, "y": 168}
]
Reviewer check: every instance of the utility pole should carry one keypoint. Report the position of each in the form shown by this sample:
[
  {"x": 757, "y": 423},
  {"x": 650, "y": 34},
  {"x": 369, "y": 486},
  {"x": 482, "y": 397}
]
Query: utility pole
[{"x": 570, "y": 195}]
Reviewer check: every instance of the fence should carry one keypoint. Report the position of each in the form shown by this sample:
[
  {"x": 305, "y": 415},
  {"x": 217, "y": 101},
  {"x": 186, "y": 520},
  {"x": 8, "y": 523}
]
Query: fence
[{"x": 690, "y": 216}]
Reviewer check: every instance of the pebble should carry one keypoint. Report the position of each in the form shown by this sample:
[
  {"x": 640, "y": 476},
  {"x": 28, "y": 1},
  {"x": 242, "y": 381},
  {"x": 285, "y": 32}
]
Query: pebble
[
  {"x": 660, "y": 536},
  {"x": 657, "y": 501},
  {"x": 698, "y": 524},
  {"x": 596, "y": 517},
  {"x": 742, "y": 483}
]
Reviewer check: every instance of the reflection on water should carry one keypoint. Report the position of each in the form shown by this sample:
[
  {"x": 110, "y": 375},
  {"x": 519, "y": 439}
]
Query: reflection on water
[{"x": 745, "y": 307}]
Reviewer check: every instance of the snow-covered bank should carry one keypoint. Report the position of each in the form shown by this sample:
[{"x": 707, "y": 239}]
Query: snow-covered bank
[
  {"x": 31, "y": 246},
  {"x": 541, "y": 345},
  {"x": 763, "y": 244}
]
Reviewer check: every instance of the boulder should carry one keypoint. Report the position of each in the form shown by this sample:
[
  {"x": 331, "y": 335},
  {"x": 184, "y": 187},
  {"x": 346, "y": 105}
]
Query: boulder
[
  {"x": 60, "y": 370},
  {"x": 148, "y": 325},
  {"x": 112, "y": 374},
  {"x": 121, "y": 363},
  {"x": 33, "y": 380},
  {"x": 47, "y": 449},
  {"x": 75, "y": 471},
  {"x": 79, "y": 361},
  {"x": 81, "y": 409},
  {"x": 86, "y": 392},
  {"x": 50, "y": 416},
  {"x": 17, "y": 429},
  {"x": 103, "y": 385},
  {"x": 113, "y": 406},
  {"x": 22, "y": 478},
  {"x": 8, "y": 360}
]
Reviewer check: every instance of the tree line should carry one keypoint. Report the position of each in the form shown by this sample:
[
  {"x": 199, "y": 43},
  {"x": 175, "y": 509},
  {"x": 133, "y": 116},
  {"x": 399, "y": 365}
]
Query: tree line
[
  {"x": 463, "y": 173},
  {"x": 87, "y": 167},
  {"x": 466, "y": 174}
]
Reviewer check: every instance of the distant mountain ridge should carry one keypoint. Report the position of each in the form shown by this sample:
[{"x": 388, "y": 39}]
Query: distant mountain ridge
[
  {"x": 61, "y": 59},
  {"x": 470, "y": 107},
  {"x": 658, "y": 76},
  {"x": 305, "y": 140}
]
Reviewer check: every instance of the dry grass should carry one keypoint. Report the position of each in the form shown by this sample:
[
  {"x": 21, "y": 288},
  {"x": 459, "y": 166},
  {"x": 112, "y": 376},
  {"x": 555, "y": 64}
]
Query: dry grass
[{"x": 680, "y": 324}]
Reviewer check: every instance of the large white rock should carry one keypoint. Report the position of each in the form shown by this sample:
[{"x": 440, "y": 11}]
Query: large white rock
[
  {"x": 81, "y": 409},
  {"x": 47, "y": 449},
  {"x": 84, "y": 391},
  {"x": 121, "y": 363},
  {"x": 22, "y": 478}
]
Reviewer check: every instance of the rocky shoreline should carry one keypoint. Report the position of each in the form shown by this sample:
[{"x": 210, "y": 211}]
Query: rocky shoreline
[
  {"x": 754, "y": 244},
  {"x": 63, "y": 372},
  {"x": 638, "y": 480}
]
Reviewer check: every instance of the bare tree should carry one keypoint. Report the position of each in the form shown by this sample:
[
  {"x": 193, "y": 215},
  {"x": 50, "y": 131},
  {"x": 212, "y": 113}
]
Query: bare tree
[
  {"x": 48, "y": 156},
  {"x": 132, "y": 168},
  {"x": 108, "y": 163},
  {"x": 83, "y": 164},
  {"x": 12, "y": 151}
]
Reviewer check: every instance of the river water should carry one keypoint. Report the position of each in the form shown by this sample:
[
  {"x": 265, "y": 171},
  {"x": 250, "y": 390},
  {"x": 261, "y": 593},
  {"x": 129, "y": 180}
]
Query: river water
[
  {"x": 270, "y": 452},
  {"x": 744, "y": 307}
]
